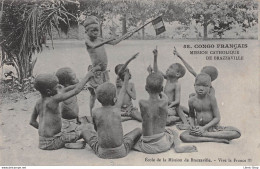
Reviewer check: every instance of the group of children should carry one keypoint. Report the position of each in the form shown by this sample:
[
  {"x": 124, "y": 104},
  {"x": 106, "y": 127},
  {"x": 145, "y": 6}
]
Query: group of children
[{"x": 103, "y": 131}]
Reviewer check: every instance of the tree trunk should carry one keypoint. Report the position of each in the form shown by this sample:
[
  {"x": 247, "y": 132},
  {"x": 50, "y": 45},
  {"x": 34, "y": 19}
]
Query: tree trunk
[
  {"x": 124, "y": 24},
  {"x": 23, "y": 70},
  {"x": 17, "y": 69},
  {"x": 21, "y": 74},
  {"x": 205, "y": 30}
]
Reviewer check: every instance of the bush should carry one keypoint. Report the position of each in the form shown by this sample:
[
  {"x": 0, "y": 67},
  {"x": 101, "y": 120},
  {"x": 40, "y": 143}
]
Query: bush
[{"x": 14, "y": 85}]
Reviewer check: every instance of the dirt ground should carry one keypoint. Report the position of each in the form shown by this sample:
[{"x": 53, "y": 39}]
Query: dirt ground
[{"x": 237, "y": 93}]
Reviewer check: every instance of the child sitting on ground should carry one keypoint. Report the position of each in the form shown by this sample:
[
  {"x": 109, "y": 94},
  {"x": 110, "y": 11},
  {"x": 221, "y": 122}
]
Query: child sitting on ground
[
  {"x": 210, "y": 70},
  {"x": 155, "y": 138},
  {"x": 205, "y": 116},
  {"x": 69, "y": 108},
  {"x": 128, "y": 110},
  {"x": 172, "y": 90},
  {"x": 47, "y": 108},
  {"x": 108, "y": 141},
  {"x": 95, "y": 47}
]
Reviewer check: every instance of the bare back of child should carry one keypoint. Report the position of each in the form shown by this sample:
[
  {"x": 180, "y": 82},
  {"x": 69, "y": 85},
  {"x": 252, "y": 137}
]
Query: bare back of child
[
  {"x": 155, "y": 137},
  {"x": 172, "y": 90},
  {"x": 108, "y": 140},
  {"x": 205, "y": 116},
  {"x": 128, "y": 111},
  {"x": 47, "y": 108}
]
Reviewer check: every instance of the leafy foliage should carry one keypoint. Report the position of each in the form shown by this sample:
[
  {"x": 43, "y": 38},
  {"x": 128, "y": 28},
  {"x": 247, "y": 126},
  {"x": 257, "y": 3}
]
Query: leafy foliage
[
  {"x": 208, "y": 12},
  {"x": 25, "y": 25}
]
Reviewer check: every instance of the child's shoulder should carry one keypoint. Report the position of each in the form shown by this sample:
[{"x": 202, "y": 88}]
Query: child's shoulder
[
  {"x": 211, "y": 97},
  {"x": 192, "y": 99},
  {"x": 162, "y": 103},
  {"x": 38, "y": 103},
  {"x": 173, "y": 85},
  {"x": 146, "y": 103}
]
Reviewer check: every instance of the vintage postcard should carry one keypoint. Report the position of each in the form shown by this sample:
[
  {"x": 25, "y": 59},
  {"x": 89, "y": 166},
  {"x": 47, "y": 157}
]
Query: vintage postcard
[{"x": 189, "y": 95}]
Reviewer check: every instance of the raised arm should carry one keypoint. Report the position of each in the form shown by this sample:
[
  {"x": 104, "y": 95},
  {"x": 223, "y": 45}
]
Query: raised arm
[
  {"x": 71, "y": 87},
  {"x": 64, "y": 96},
  {"x": 155, "y": 64},
  {"x": 123, "y": 90},
  {"x": 126, "y": 63},
  {"x": 125, "y": 36},
  {"x": 33, "y": 121},
  {"x": 190, "y": 69},
  {"x": 94, "y": 45}
]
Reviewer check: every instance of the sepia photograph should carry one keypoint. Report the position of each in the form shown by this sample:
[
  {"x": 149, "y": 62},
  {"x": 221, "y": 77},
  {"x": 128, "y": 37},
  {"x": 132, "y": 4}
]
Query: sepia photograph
[{"x": 129, "y": 83}]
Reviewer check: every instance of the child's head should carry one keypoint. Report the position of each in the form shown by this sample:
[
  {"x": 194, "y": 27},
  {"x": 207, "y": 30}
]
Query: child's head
[
  {"x": 202, "y": 84},
  {"x": 66, "y": 76},
  {"x": 106, "y": 94},
  {"x": 91, "y": 25},
  {"x": 121, "y": 74},
  {"x": 211, "y": 71},
  {"x": 176, "y": 70},
  {"x": 46, "y": 84},
  {"x": 154, "y": 83}
]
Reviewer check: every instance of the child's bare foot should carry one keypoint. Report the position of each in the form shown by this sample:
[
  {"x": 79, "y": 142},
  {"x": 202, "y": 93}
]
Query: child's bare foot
[
  {"x": 77, "y": 145},
  {"x": 125, "y": 118},
  {"x": 183, "y": 126},
  {"x": 185, "y": 149},
  {"x": 217, "y": 140},
  {"x": 224, "y": 141}
]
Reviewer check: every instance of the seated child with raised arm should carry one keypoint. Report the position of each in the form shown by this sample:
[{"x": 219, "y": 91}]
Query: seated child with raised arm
[
  {"x": 210, "y": 70},
  {"x": 155, "y": 138},
  {"x": 96, "y": 50},
  {"x": 108, "y": 140},
  {"x": 172, "y": 90},
  {"x": 128, "y": 110},
  {"x": 205, "y": 116},
  {"x": 47, "y": 108},
  {"x": 69, "y": 108}
]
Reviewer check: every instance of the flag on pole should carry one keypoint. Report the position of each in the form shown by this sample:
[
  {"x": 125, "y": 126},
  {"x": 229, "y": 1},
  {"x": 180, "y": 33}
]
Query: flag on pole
[{"x": 158, "y": 25}]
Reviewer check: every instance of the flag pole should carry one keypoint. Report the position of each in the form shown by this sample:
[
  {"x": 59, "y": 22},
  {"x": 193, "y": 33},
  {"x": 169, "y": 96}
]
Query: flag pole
[
  {"x": 145, "y": 24},
  {"x": 139, "y": 28}
]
